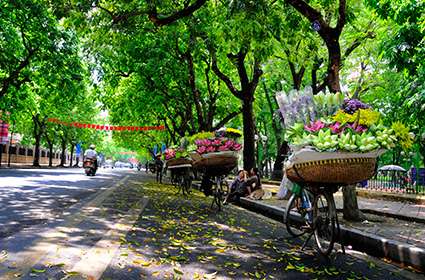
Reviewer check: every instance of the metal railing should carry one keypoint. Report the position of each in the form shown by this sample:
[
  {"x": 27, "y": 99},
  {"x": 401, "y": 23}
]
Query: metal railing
[{"x": 412, "y": 181}]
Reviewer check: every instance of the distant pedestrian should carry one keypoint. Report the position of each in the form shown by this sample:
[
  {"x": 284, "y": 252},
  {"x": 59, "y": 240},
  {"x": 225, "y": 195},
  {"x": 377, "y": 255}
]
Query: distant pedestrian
[{"x": 159, "y": 165}]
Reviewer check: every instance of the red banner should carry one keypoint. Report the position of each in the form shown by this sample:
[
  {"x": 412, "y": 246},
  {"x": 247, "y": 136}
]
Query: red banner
[
  {"x": 106, "y": 127},
  {"x": 4, "y": 132}
]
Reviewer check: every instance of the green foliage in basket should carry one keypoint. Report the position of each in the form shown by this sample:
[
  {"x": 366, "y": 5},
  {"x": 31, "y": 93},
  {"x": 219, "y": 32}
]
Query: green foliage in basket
[{"x": 199, "y": 136}]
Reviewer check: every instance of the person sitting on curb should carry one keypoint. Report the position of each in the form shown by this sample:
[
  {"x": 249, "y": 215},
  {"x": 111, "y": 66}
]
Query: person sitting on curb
[
  {"x": 254, "y": 183},
  {"x": 238, "y": 188}
]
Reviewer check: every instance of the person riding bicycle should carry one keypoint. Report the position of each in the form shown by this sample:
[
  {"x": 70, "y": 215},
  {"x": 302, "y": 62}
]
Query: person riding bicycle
[{"x": 91, "y": 154}]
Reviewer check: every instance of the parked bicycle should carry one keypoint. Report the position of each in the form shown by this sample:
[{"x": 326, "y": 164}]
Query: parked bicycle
[
  {"x": 181, "y": 178},
  {"x": 311, "y": 210}
]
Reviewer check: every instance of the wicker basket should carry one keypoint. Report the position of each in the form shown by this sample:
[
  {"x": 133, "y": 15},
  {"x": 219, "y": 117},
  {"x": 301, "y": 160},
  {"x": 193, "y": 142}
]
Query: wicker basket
[
  {"x": 178, "y": 161},
  {"x": 337, "y": 171},
  {"x": 219, "y": 163}
]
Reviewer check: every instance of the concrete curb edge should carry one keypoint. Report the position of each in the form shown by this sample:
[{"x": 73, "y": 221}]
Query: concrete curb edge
[{"x": 365, "y": 242}]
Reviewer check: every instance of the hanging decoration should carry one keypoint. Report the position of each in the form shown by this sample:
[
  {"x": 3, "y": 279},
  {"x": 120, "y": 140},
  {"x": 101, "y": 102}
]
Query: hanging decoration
[
  {"x": 4, "y": 132},
  {"x": 106, "y": 127}
]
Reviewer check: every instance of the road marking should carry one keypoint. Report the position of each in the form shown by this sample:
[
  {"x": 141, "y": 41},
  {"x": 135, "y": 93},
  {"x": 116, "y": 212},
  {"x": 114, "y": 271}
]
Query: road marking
[
  {"x": 95, "y": 262},
  {"x": 51, "y": 240}
]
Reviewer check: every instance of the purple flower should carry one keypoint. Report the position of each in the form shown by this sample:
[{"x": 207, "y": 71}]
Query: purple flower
[{"x": 350, "y": 106}]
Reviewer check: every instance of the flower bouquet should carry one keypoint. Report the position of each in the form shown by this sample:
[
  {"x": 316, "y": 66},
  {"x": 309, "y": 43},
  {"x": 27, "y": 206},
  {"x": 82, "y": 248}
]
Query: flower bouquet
[
  {"x": 178, "y": 156},
  {"x": 340, "y": 146},
  {"x": 218, "y": 151}
]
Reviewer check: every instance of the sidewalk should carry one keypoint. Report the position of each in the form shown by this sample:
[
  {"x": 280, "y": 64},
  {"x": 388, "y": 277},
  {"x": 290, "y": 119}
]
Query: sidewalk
[
  {"x": 378, "y": 222},
  {"x": 394, "y": 229},
  {"x": 403, "y": 210}
]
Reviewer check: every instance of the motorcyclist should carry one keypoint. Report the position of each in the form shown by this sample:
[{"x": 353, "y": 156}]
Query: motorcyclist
[{"x": 91, "y": 154}]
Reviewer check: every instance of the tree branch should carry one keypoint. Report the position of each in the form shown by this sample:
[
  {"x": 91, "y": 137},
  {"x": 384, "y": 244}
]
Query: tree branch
[
  {"x": 310, "y": 13},
  {"x": 12, "y": 79},
  {"x": 238, "y": 60},
  {"x": 357, "y": 42},
  {"x": 195, "y": 91},
  {"x": 226, "y": 119},
  {"x": 256, "y": 77},
  {"x": 224, "y": 78},
  {"x": 342, "y": 9},
  {"x": 165, "y": 20}
]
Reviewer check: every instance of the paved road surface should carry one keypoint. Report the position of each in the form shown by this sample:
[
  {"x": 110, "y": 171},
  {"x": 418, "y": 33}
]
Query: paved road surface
[
  {"x": 60, "y": 224},
  {"x": 34, "y": 196}
]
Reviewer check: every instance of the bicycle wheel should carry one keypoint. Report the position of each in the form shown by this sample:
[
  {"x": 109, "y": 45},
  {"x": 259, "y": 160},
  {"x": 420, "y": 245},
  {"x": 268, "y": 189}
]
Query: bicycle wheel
[
  {"x": 224, "y": 187},
  {"x": 295, "y": 216},
  {"x": 187, "y": 184},
  {"x": 217, "y": 193},
  {"x": 324, "y": 214}
]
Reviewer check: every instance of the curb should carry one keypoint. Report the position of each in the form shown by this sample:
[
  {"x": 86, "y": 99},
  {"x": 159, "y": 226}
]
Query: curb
[
  {"x": 417, "y": 199},
  {"x": 365, "y": 242},
  {"x": 390, "y": 215}
]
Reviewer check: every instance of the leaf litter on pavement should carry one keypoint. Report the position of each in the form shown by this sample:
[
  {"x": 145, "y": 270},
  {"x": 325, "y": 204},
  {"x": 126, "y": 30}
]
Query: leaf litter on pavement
[{"x": 180, "y": 237}]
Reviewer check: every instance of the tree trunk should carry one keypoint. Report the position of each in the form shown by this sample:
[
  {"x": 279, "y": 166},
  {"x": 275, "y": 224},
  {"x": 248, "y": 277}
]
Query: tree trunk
[
  {"x": 72, "y": 154},
  {"x": 39, "y": 127},
  {"x": 351, "y": 209},
  {"x": 63, "y": 153},
  {"x": 249, "y": 134},
  {"x": 8, "y": 155},
  {"x": 10, "y": 146},
  {"x": 334, "y": 52},
  {"x": 280, "y": 158},
  {"x": 36, "y": 161},
  {"x": 50, "y": 154}
]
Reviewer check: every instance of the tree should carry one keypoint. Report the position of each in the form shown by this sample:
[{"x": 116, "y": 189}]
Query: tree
[
  {"x": 31, "y": 35},
  {"x": 404, "y": 48}
]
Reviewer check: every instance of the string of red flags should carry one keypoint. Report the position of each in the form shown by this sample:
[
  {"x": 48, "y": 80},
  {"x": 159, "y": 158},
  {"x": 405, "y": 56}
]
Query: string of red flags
[{"x": 105, "y": 127}]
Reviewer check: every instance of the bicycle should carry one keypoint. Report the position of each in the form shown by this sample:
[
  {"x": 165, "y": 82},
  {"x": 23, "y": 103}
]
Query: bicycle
[
  {"x": 181, "y": 178},
  {"x": 311, "y": 210},
  {"x": 219, "y": 191}
]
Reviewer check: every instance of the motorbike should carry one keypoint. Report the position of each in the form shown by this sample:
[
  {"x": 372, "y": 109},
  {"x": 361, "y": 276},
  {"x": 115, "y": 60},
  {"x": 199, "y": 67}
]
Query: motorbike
[{"x": 89, "y": 167}]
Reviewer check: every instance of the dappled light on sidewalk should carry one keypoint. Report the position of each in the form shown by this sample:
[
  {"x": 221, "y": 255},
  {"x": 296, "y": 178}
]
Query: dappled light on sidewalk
[{"x": 182, "y": 238}]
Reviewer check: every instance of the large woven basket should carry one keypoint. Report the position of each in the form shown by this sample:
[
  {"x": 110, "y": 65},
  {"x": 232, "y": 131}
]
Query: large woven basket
[
  {"x": 178, "y": 161},
  {"x": 219, "y": 163},
  {"x": 336, "y": 171}
]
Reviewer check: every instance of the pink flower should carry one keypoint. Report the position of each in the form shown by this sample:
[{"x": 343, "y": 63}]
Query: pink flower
[
  {"x": 201, "y": 150},
  {"x": 358, "y": 128},
  {"x": 336, "y": 127},
  {"x": 198, "y": 142},
  {"x": 237, "y": 147},
  {"x": 316, "y": 126},
  {"x": 206, "y": 142},
  {"x": 230, "y": 143},
  {"x": 210, "y": 149},
  {"x": 223, "y": 148},
  {"x": 216, "y": 142}
]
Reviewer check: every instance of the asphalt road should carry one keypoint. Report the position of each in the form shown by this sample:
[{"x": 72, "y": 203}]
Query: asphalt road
[
  {"x": 30, "y": 197},
  {"x": 60, "y": 224}
]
